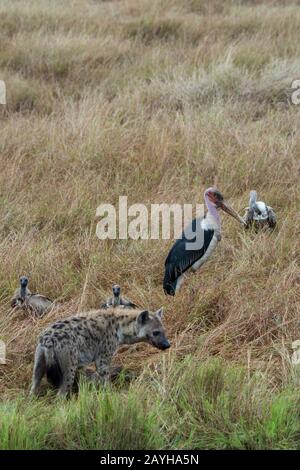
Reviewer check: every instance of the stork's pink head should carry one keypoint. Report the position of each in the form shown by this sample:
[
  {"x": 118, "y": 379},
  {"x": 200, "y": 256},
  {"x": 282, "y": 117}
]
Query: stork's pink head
[{"x": 214, "y": 196}]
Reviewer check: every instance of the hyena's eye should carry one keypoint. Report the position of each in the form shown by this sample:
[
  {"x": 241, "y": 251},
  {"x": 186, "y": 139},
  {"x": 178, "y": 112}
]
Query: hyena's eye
[{"x": 156, "y": 333}]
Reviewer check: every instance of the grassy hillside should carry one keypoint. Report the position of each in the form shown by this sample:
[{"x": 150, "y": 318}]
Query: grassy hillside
[{"x": 155, "y": 101}]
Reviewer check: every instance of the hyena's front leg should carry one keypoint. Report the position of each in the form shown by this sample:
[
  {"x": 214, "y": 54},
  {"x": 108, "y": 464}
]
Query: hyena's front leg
[
  {"x": 68, "y": 364},
  {"x": 102, "y": 366}
]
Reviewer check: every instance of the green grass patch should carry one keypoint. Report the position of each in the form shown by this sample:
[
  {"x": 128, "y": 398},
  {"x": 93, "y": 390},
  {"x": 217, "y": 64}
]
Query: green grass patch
[{"x": 209, "y": 405}]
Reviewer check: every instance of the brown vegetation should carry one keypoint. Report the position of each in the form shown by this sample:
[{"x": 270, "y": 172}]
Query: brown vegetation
[{"x": 157, "y": 101}]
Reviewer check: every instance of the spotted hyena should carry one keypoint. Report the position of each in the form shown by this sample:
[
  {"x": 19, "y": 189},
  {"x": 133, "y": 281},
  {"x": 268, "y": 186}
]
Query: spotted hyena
[{"x": 92, "y": 337}]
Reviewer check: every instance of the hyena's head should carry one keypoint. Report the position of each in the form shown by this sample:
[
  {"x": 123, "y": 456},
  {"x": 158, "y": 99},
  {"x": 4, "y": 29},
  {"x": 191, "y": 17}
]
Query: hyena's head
[{"x": 149, "y": 328}]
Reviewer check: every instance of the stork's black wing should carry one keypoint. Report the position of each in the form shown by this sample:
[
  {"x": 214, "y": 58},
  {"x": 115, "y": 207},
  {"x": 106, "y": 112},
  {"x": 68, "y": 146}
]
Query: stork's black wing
[{"x": 180, "y": 258}]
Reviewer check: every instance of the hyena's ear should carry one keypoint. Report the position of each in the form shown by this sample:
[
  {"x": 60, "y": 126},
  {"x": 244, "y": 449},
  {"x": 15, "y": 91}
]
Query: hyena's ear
[
  {"x": 160, "y": 313},
  {"x": 143, "y": 317}
]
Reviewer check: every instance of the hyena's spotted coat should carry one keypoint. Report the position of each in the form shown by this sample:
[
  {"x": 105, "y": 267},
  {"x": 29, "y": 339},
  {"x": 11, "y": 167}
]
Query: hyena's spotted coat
[{"x": 92, "y": 337}]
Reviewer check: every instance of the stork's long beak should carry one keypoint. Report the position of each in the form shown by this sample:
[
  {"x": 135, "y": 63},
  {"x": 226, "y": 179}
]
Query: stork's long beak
[{"x": 227, "y": 208}]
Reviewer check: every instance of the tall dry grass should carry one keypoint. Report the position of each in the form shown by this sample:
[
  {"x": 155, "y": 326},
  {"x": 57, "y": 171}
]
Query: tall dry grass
[{"x": 157, "y": 101}]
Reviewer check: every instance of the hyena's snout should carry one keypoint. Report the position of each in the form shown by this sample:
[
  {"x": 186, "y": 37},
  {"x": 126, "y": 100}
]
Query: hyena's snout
[
  {"x": 160, "y": 341},
  {"x": 165, "y": 344}
]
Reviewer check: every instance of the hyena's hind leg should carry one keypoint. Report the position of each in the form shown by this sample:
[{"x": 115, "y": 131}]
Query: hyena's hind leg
[
  {"x": 39, "y": 369},
  {"x": 68, "y": 364}
]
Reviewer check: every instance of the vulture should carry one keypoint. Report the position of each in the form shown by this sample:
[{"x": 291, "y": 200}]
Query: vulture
[
  {"x": 258, "y": 214},
  {"x": 35, "y": 303},
  {"x": 117, "y": 301},
  {"x": 21, "y": 292}
]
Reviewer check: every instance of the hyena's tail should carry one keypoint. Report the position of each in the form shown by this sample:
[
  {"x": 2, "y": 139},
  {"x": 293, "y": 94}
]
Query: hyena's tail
[{"x": 53, "y": 369}]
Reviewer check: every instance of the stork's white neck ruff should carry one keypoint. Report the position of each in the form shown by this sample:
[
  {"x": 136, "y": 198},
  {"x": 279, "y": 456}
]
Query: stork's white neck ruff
[{"x": 212, "y": 218}]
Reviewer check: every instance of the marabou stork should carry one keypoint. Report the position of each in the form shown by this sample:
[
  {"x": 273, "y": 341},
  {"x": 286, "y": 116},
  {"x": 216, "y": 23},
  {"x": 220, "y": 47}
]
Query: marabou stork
[
  {"x": 198, "y": 241},
  {"x": 117, "y": 301},
  {"x": 258, "y": 213},
  {"x": 35, "y": 303}
]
